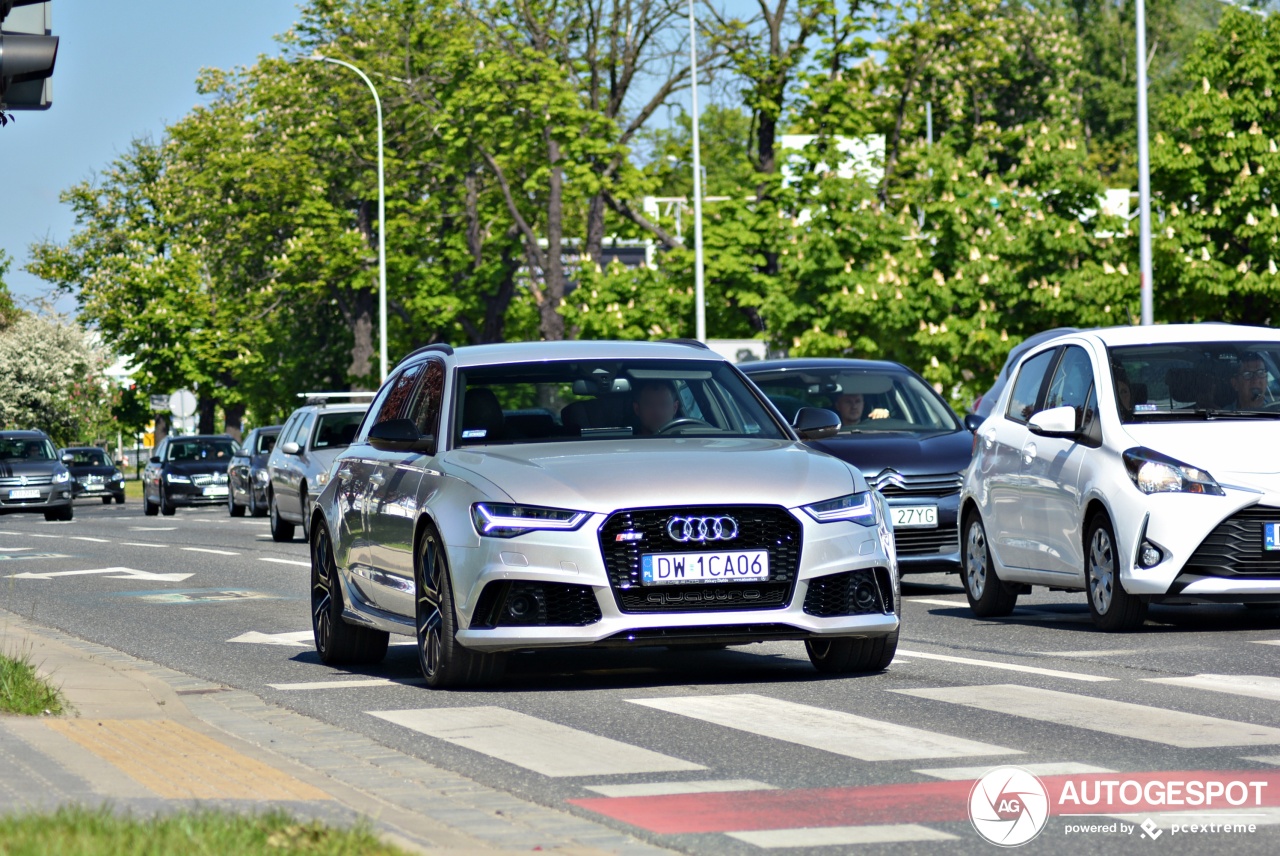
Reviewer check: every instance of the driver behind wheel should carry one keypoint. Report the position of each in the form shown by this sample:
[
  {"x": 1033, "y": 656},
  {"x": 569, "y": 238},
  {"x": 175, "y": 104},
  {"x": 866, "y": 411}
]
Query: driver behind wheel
[{"x": 655, "y": 404}]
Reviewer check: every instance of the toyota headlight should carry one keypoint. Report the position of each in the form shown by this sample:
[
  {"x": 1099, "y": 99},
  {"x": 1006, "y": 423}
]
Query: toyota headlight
[
  {"x": 174, "y": 478},
  {"x": 1153, "y": 472},
  {"x": 503, "y": 520},
  {"x": 858, "y": 507},
  {"x": 62, "y": 477}
]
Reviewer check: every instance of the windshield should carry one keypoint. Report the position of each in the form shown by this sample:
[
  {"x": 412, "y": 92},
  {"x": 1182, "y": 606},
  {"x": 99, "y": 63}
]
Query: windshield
[
  {"x": 203, "y": 451},
  {"x": 88, "y": 458},
  {"x": 1196, "y": 380},
  {"x": 336, "y": 430},
  {"x": 607, "y": 399},
  {"x": 19, "y": 449},
  {"x": 867, "y": 400}
]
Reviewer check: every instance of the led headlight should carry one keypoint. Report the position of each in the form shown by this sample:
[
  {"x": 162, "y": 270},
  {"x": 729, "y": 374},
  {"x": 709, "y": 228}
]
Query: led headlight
[
  {"x": 174, "y": 478},
  {"x": 1153, "y": 472},
  {"x": 117, "y": 477},
  {"x": 503, "y": 520},
  {"x": 62, "y": 477},
  {"x": 857, "y": 507}
]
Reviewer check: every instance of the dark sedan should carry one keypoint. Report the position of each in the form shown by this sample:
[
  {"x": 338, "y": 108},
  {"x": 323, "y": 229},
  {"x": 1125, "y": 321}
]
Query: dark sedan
[
  {"x": 248, "y": 480},
  {"x": 93, "y": 474},
  {"x": 896, "y": 429},
  {"x": 190, "y": 470}
]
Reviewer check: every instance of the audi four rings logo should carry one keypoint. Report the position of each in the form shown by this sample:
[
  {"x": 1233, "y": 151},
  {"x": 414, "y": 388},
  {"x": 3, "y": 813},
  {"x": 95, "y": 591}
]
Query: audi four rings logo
[{"x": 687, "y": 529}]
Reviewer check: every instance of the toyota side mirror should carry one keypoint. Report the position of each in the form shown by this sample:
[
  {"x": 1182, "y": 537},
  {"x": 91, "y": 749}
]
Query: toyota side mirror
[
  {"x": 401, "y": 435},
  {"x": 815, "y": 423},
  {"x": 1054, "y": 422}
]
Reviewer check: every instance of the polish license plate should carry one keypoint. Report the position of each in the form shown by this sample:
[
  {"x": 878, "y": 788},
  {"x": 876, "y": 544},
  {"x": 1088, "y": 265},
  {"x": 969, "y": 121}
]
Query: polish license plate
[
  {"x": 25, "y": 493},
  {"x": 93, "y": 487},
  {"x": 216, "y": 490},
  {"x": 725, "y": 566},
  {"x": 915, "y": 516},
  {"x": 1271, "y": 536}
]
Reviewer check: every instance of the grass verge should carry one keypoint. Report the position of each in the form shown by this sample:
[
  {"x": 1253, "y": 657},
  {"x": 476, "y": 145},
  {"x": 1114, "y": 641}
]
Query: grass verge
[
  {"x": 99, "y": 832},
  {"x": 23, "y": 691}
]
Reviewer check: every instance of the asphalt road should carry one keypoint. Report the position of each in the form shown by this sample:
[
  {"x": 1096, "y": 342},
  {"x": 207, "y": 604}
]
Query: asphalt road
[{"x": 784, "y": 757}]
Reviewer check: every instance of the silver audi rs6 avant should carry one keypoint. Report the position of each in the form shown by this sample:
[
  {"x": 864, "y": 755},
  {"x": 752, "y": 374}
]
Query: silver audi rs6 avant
[{"x": 512, "y": 497}]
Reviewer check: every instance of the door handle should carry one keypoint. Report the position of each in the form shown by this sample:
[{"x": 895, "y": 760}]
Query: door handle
[{"x": 1029, "y": 453}]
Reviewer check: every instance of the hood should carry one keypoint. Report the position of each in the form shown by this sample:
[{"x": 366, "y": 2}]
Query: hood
[
  {"x": 15, "y": 469},
  {"x": 90, "y": 470},
  {"x": 1235, "y": 451},
  {"x": 909, "y": 454},
  {"x": 604, "y": 475},
  {"x": 191, "y": 468}
]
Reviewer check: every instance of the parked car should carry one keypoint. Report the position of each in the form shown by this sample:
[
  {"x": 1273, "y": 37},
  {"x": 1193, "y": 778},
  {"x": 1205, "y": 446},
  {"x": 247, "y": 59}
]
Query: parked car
[
  {"x": 248, "y": 479},
  {"x": 905, "y": 439},
  {"x": 32, "y": 477},
  {"x": 521, "y": 496},
  {"x": 983, "y": 404},
  {"x": 301, "y": 461},
  {"x": 187, "y": 470},
  {"x": 1133, "y": 464},
  {"x": 93, "y": 474}
]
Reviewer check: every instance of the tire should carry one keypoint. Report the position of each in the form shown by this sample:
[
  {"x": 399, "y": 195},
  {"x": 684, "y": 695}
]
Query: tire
[
  {"x": 337, "y": 642},
  {"x": 256, "y": 510},
  {"x": 281, "y": 530},
  {"x": 444, "y": 662},
  {"x": 106, "y": 500},
  {"x": 149, "y": 508},
  {"x": 63, "y": 514},
  {"x": 233, "y": 509},
  {"x": 306, "y": 514},
  {"x": 120, "y": 499},
  {"x": 167, "y": 508},
  {"x": 854, "y": 656},
  {"x": 1113, "y": 609},
  {"x": 988, "y": 596}
]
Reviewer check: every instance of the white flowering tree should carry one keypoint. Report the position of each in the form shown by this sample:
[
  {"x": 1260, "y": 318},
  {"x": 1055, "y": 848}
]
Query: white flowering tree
[{"x": 52, "y": 378}]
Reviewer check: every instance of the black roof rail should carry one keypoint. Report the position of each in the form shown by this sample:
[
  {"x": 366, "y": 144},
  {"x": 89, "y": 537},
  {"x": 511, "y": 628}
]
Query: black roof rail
[
  {"x": 692, "y": 343},
  {"x": 443, "y": 347}
]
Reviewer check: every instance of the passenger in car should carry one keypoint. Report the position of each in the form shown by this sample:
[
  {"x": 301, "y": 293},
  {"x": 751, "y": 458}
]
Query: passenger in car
[
  {"x": 849, "y": 406},
  {"x": 655, "y": 404},
  {"x": 1249, "y": 382}
]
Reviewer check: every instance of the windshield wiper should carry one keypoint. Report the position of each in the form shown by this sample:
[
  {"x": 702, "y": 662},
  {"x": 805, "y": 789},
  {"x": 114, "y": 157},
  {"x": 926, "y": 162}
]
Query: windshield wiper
[{"x": 1203, "y": 413}]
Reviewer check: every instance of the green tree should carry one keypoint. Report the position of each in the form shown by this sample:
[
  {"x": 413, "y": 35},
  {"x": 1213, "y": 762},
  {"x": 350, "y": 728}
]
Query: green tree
[{"x": 8, "y": 309}]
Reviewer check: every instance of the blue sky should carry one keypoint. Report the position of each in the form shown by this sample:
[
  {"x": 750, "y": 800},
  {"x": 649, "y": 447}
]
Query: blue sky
[{"x": 125, "y": 69}]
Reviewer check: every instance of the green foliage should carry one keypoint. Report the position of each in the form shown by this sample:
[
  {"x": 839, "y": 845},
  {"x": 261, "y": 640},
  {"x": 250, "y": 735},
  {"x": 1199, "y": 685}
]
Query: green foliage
[
  {"x": 23, "y": 691},
  {"x": 8, "y": 309}
]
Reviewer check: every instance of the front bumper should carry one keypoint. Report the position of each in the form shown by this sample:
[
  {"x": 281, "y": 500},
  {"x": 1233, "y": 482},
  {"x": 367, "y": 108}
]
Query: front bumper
[
  {"x": 180, "y": 494},
  {"x": 49, "y": 496},
  {"x": 933, "y": 549},
  {"x": 82, "y": 490}
]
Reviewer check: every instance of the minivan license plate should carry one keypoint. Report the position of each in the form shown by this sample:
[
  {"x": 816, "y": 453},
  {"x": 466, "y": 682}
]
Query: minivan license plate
[
  {"x": 914, "y": 516},
  {"x": 725, "y": 566},
  {"x": 25, "y": 493}
]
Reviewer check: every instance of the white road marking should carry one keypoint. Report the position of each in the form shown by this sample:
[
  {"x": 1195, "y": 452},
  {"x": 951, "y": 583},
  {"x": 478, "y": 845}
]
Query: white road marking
[
  {"x": 207, "y": 550},
  {"x": 1121, "y": 718},
  {"x": 1119, "y": 652},
  {"x": 111, "y": 573},
  {"x": 140, "y": 544},
  {"x": 13, "y": 549},
  {"x": 961, "y": 774},
  {"x": 934, "y": 601},
  {"x": 300, "y": 639},
  {"x": 1008, "y": 667},
  {"x": 1256, "y": 686},
  {"x": 285, "y": 562},
  {"x": 830, "y": 836},
  {"x": 341, "y": 685},
  {"x": 1266, "y": 641},
  {"x": 43, "y": 535},
  {"x": 87, "y": 538},
  {"x": 662, "y": 789},
  {"x": 1265, "y": 759},
  {"x": 829, "y": 730},
  {"x": 153, "y": 528},
  {"x": 544, "y": 747}
]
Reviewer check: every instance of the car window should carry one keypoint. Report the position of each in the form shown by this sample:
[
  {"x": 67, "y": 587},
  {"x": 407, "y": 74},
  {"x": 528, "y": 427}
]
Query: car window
[
  {"x": 1072, "y": 380},
  {"x": 88, "y": 458},
  {"x": 425, "y": 407},
  {"x": 202, "y": 451},
  {"x": 394, "y": 404},
  {"x": 266, "y": 443},
  {"x": 336, "y": 430},
  {"x": 302, "y": 431},
  {"x": 606, "y": 399},
  {"x": 23, "y": 449},
  {"x": 867, "y": 401},
  {"x": 1187, "y": 381},
  {"x": 1026, "y": 389}
]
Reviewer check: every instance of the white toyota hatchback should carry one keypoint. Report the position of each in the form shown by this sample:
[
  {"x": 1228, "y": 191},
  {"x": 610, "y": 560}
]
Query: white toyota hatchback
[{"x": 1136, "y": 464}]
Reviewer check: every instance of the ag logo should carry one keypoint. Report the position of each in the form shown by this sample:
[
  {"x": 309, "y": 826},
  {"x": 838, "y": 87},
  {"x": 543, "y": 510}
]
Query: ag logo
[{"x": 1008, "y": 806}]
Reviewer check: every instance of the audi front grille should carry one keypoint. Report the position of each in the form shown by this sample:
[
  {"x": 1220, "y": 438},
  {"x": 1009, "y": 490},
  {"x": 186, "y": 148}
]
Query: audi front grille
[{"x": 628, "y": 535}]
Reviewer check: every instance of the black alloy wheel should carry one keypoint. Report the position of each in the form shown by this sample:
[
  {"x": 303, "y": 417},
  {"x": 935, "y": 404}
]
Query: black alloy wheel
[
  {"x": 337, "y": 642},
  {"x": 443, "y": 661}
]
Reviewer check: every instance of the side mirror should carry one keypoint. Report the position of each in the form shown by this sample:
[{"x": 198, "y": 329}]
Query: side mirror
[
  {"x": 68, "y": 458},
  {"x": 155, "y": 459},
  {"x": 291, "y": 448},
  {"x": 1054, "y": 422},
  {"x": 815, "y": 423},
  {"x": 401, "y": 435},
  {"x": 973, "y": 422}
]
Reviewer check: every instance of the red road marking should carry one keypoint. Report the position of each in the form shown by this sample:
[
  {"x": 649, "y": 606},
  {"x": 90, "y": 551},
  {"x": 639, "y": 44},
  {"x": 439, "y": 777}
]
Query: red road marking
[{"x": 917, "y": 802}]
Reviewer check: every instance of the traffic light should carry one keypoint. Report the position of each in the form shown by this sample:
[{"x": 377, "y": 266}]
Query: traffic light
[{"x": 28, "y": 51}]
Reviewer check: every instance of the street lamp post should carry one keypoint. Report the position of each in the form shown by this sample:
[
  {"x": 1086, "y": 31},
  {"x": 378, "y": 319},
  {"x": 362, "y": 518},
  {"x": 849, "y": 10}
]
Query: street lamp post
[
  {"x": 699, "y": 291},
  {"x": 382, "y": 218},
  {"x": 1144, "y": 172}
]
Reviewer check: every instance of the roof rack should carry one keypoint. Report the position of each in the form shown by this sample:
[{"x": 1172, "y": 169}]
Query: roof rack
[
  {"x": 323, "y": 397},
  {"x": 443, "y": 347},
  {"x": 691, "y": 343}
]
